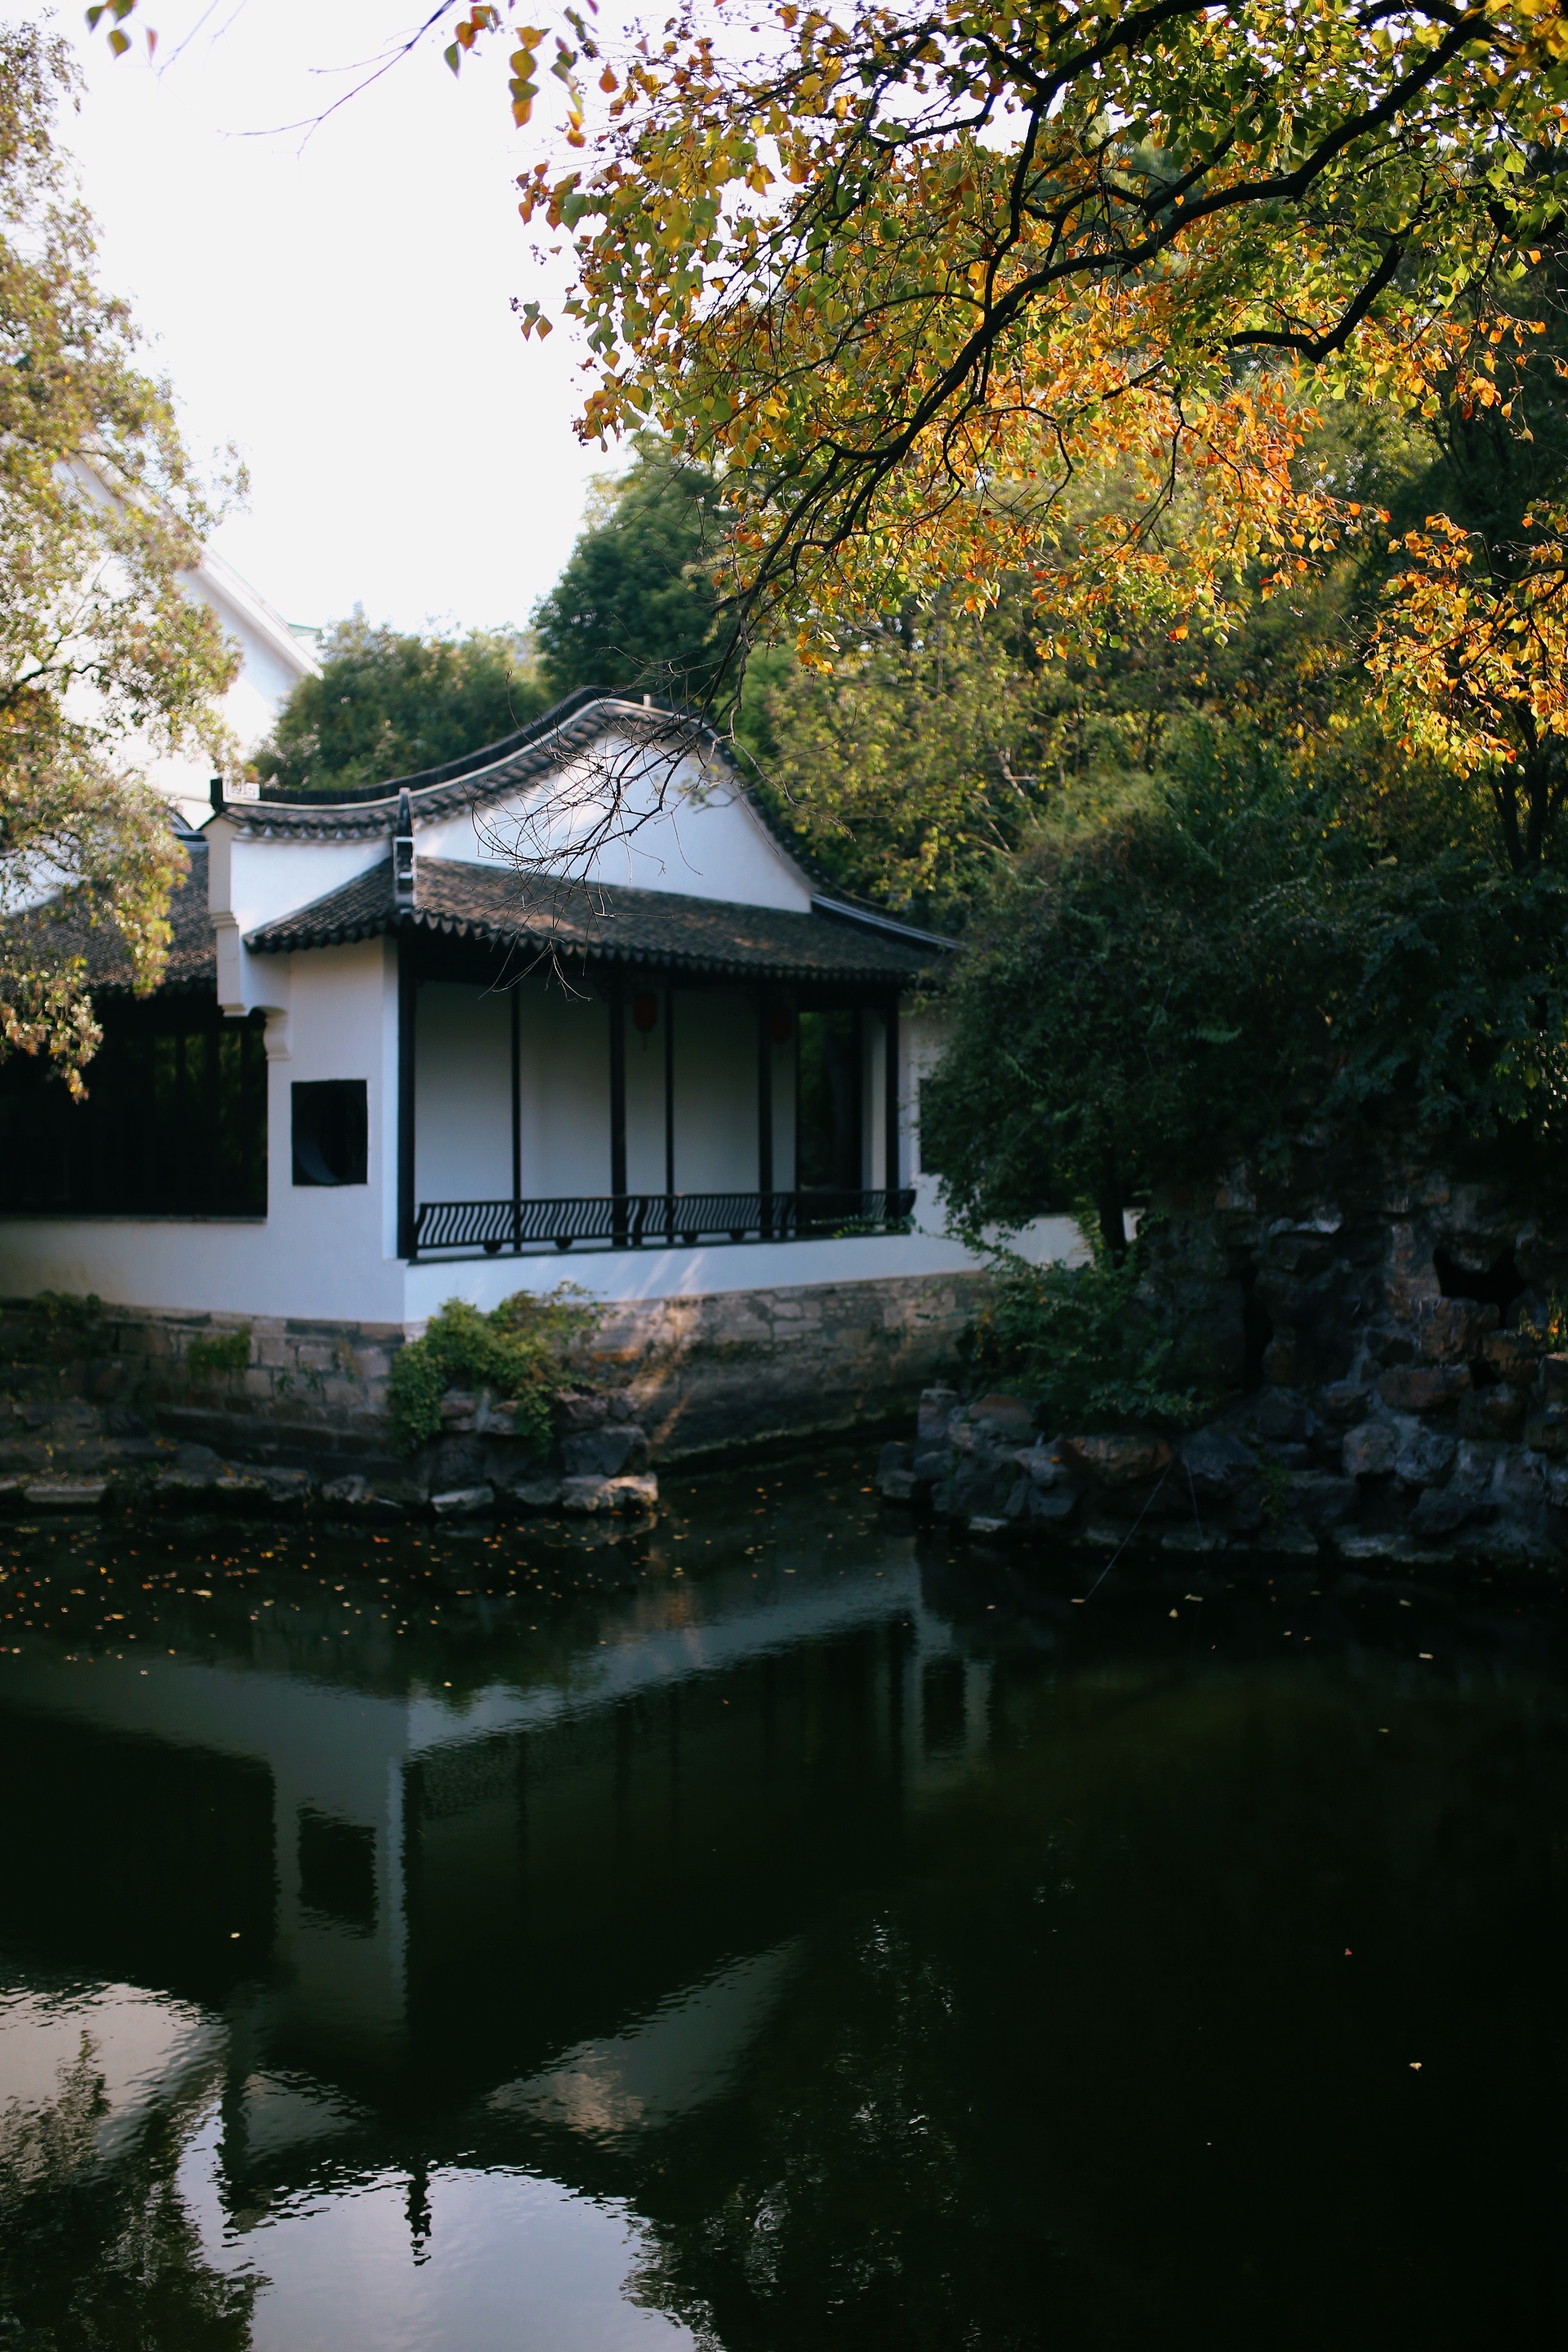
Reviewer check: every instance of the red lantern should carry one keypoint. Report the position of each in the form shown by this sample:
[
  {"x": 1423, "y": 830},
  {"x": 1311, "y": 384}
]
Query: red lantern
[
  {"x": 645, "y": 1011},
  {"x": 782, "y": 1024}
]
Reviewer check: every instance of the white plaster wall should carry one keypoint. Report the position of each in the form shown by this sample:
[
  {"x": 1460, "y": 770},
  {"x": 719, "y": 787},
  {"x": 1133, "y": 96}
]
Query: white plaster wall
[
  {"x": 922, "y": 1038},
  {"x": 325, "y": 1242},
  {"x": 462, "y": 1094},
  {"x": 620, "y": 1275},
  {"x": 706, "y": 841},
  {"x": 565, "y": 1092},
  {"x": 272, "y": 662},
  {"x": 783, "y": 1115},
  {"x": 261, "y": 879},
  {"x": 321, "y": 1251},
  {"x": 716, "y": 1092},
  {"x": 383, "y": 1104},
  {"x": 645, "y": 1101},
  {"x": 329, "y": 1252},
  {"x": 249, "y": 882}
]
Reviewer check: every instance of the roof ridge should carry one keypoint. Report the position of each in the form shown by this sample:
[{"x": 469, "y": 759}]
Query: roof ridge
[{"x": 450, "y": 771}]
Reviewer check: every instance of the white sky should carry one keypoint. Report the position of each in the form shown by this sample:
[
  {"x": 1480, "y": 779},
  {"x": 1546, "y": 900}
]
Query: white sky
[{"x": 338, "y": 307}]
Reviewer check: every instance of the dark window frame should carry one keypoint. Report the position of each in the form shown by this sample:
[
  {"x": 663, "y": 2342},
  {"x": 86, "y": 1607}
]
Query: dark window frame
[
  {"x": 329, "y": 1131},
  {"x": 174, "y": 1122}
]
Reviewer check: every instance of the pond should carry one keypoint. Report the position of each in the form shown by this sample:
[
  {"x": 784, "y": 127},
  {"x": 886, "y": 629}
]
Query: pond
[{"x": 773, "y": 1931}]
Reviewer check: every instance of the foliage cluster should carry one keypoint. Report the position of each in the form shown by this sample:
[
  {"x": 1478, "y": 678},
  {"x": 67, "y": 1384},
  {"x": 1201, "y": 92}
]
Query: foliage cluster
[
  {"x": 1193, "y": 966},
  {"x": 948, "y": 295},
  {"x": 1078, "y": 1343},
  {"x": 517, "y": 1349},
  {"x": 389, "y": 703},
  {"x": 219, "y": 1357},
  {"x": 636, "y": 604},
  {"x": 103, "y": 658}
]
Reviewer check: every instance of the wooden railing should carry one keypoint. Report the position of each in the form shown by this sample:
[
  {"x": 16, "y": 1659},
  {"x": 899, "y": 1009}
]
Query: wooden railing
[{"x": 652, "y": 1219}]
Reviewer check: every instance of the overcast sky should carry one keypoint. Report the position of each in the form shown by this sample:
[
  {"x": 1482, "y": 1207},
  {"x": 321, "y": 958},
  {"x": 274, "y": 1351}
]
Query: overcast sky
[{"x": 339, "y": 306}]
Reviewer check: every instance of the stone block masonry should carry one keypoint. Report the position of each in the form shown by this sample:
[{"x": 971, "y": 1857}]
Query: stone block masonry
[
  {"x": 750, "y": 1367},
  {"x": 100, "y": 1401},
  {"x": 1384, "y": 1341}
]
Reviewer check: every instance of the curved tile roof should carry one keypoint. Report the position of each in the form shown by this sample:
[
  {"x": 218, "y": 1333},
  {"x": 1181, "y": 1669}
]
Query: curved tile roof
[
  {"x": 192, "y": 952},
  {"x": 484, "y": 775},
  {"x": 557, "y": 736},
  {"x": 660, "y": 928}
]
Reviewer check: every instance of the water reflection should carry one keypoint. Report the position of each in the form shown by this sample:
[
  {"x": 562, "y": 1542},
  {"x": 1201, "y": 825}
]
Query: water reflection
[{"x": 765, "y": 1936}]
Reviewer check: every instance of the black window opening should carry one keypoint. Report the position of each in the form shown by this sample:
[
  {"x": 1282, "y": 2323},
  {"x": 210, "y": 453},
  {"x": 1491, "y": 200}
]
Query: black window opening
[
  {"x": 830, "y": 1108},
  {"x": 330, "y": 1131},
  {"x": 174, "y": 1122}
]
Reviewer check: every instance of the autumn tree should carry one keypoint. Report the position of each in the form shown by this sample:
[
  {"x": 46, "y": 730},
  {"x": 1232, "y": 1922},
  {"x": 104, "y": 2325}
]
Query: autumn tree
[
  {"x": 952, "y": 292},
  {"x": 946, "y": 297},
  {"x": 104, "y": 661},
  {"x": 1470, "y": 648}
]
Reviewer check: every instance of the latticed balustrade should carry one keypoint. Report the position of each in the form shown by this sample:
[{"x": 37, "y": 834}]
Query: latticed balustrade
[{"x": 648, "y": 1220}]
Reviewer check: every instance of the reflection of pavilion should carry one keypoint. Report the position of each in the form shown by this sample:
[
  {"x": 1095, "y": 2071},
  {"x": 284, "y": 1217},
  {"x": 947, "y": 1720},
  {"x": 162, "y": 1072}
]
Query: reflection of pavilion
[{"x": 570, "y": 1901}]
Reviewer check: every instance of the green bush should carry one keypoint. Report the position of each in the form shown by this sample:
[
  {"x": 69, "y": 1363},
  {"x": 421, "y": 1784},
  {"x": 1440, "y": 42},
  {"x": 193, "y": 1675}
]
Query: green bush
[
  {"x": 208, "y": 1359},
  {"x": 516, "y": 1350},
  {"x": 1079, "y": 1343}
]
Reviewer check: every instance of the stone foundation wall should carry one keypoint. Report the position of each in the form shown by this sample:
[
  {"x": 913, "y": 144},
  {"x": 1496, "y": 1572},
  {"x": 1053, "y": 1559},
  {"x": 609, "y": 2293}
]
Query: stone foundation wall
[
  {"x": 744, "y": 1367},
  {"x": 90, "y": 1393},
  {"x": 1394, "y": 1340}
]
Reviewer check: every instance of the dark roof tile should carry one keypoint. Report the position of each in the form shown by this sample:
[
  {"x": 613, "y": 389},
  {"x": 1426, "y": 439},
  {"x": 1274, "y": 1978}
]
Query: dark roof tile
[
  {"x": 658, "y": 928},
  {"x": 193, "y": 953}
]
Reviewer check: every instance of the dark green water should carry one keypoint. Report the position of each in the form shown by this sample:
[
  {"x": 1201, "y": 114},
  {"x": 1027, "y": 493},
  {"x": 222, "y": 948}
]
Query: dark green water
[{"x": 781, "y": 1933}]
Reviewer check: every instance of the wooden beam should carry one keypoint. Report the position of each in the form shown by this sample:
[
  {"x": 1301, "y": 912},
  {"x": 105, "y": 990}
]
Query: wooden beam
[{"x": 408, "y": 1017}]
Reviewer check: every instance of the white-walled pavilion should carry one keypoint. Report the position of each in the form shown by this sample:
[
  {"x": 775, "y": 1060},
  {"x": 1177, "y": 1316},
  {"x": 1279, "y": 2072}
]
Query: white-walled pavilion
[{"x": 569, "y": 1007}]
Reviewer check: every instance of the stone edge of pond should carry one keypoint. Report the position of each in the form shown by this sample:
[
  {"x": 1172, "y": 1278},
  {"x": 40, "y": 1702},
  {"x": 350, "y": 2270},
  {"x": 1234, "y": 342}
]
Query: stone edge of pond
[
  {"x": 1344, "y": 1477},
  {"x": 183, "y": 1487}
]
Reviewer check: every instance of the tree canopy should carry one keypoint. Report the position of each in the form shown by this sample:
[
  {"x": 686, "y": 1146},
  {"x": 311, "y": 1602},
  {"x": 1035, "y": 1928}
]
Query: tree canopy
[
  {"x": 104, "y": 660},
  {"x": 389, "y": 703},
  {"x": 948, "y": 301},
  {"x": 1188, "y": 969},
  {"x": 952, "y": 293},
  {"x": 634, "y": 606}
]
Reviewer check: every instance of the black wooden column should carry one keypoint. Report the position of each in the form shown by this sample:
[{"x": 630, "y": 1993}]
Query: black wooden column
[
  {"x": 669, "y": 1107},
  {"x": 408, "y": 1016},
  {"x": 890, "y": 1102},
  {"x": 618, "y": 1106},
  {"x": 516, "y": 1116},
  {"x": 765, "y": 1111}
]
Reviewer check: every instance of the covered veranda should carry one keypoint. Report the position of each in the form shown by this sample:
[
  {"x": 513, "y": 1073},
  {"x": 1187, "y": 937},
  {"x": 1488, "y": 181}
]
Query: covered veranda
[{"x": 586, "y": 1068}]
